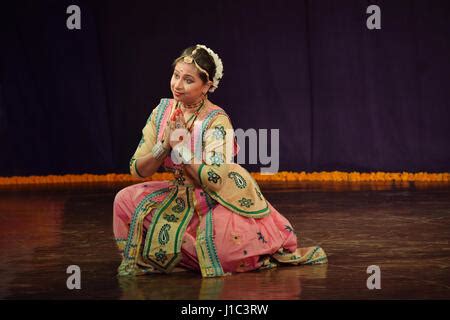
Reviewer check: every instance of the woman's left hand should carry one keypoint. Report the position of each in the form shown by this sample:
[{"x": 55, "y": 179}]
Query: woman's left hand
[{"x": 177, "y": 122}]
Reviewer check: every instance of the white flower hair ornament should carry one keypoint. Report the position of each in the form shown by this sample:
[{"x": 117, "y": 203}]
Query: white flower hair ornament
[{"x": 217, "y": 61}]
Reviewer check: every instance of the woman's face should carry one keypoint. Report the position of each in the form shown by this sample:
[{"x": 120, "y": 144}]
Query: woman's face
[{"x": 186, "y": 84}]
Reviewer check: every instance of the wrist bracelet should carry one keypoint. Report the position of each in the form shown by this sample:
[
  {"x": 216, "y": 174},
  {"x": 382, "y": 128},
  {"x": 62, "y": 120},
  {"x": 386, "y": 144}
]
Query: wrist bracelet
[{"x": 158, "y": 150}]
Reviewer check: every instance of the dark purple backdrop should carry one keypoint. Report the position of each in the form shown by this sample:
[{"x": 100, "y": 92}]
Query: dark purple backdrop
[{"x": 344, "y": 97}]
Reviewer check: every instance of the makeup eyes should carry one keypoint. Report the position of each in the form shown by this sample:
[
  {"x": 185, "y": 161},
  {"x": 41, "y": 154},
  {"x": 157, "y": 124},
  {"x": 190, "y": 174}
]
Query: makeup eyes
[{"x": 188, "y": 80}]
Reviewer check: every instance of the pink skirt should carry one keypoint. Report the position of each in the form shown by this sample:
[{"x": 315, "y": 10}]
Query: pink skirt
[{"x": 241, "y": 242}]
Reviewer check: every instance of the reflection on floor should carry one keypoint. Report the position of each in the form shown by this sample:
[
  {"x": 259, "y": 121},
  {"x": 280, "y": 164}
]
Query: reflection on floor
[{"x": 402, "y": 228}]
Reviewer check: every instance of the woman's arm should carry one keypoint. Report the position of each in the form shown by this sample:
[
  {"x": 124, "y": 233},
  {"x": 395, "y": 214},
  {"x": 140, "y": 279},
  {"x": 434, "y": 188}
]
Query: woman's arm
[
  {"x": 147, "y": 165},
  {"x": 143, "y": 163}
]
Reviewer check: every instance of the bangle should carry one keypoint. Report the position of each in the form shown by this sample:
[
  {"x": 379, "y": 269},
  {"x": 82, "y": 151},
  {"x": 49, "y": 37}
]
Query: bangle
[
  {"x": 136, "y": 169},
  {"x": 158, "y": 151}
]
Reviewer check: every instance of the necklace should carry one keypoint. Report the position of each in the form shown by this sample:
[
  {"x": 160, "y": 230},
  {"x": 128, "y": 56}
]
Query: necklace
[
  {"x": 193, "y": 106},
  {"x": 195, "y": 115}
]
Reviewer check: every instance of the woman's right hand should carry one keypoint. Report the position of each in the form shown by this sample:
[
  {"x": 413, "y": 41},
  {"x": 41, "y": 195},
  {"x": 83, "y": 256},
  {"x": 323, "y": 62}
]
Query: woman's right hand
[
  {"x": 166, "y": 136},
  {"x": 176, "y": 121}
]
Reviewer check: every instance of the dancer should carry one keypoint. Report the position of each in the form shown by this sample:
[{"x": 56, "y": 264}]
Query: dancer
[{"x": 212, "y": 217}]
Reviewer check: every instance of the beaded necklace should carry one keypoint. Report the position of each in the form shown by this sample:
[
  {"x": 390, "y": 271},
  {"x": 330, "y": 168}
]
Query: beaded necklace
[{"x": 194, "y": 115}]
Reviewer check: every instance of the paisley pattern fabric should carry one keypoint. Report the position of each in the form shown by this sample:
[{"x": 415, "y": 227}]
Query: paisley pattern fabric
[
  {"x": 237, "y": 190},
  {"x": 223, "y": 225}
]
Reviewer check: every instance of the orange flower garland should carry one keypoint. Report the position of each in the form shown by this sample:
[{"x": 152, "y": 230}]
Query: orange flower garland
[
  {"x": 352, "y": 176},
  {"x": 280, "y": 176}
]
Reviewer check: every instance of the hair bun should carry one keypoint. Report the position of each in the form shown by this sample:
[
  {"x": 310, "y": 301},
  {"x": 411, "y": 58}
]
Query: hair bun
[{"x": 219, "y": 67}]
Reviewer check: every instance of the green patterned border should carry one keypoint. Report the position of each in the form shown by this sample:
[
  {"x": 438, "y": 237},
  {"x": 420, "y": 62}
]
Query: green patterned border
[
  {"x": 199, "y": 172},
  {"x": 251, "y": 214},
  {"x": 182, "y": 225},
  {"x": 136, "y": 213},
  {"x": 160, "y": 114},
  {"x": 211, "y": 248}
]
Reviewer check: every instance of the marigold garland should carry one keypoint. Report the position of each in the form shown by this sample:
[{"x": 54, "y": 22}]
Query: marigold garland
[{"x": 280, "y": 176}]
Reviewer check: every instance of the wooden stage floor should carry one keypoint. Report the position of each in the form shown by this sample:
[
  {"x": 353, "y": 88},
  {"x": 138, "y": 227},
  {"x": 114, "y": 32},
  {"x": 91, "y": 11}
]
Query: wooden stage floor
[{"x": 404, "y": 229}]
